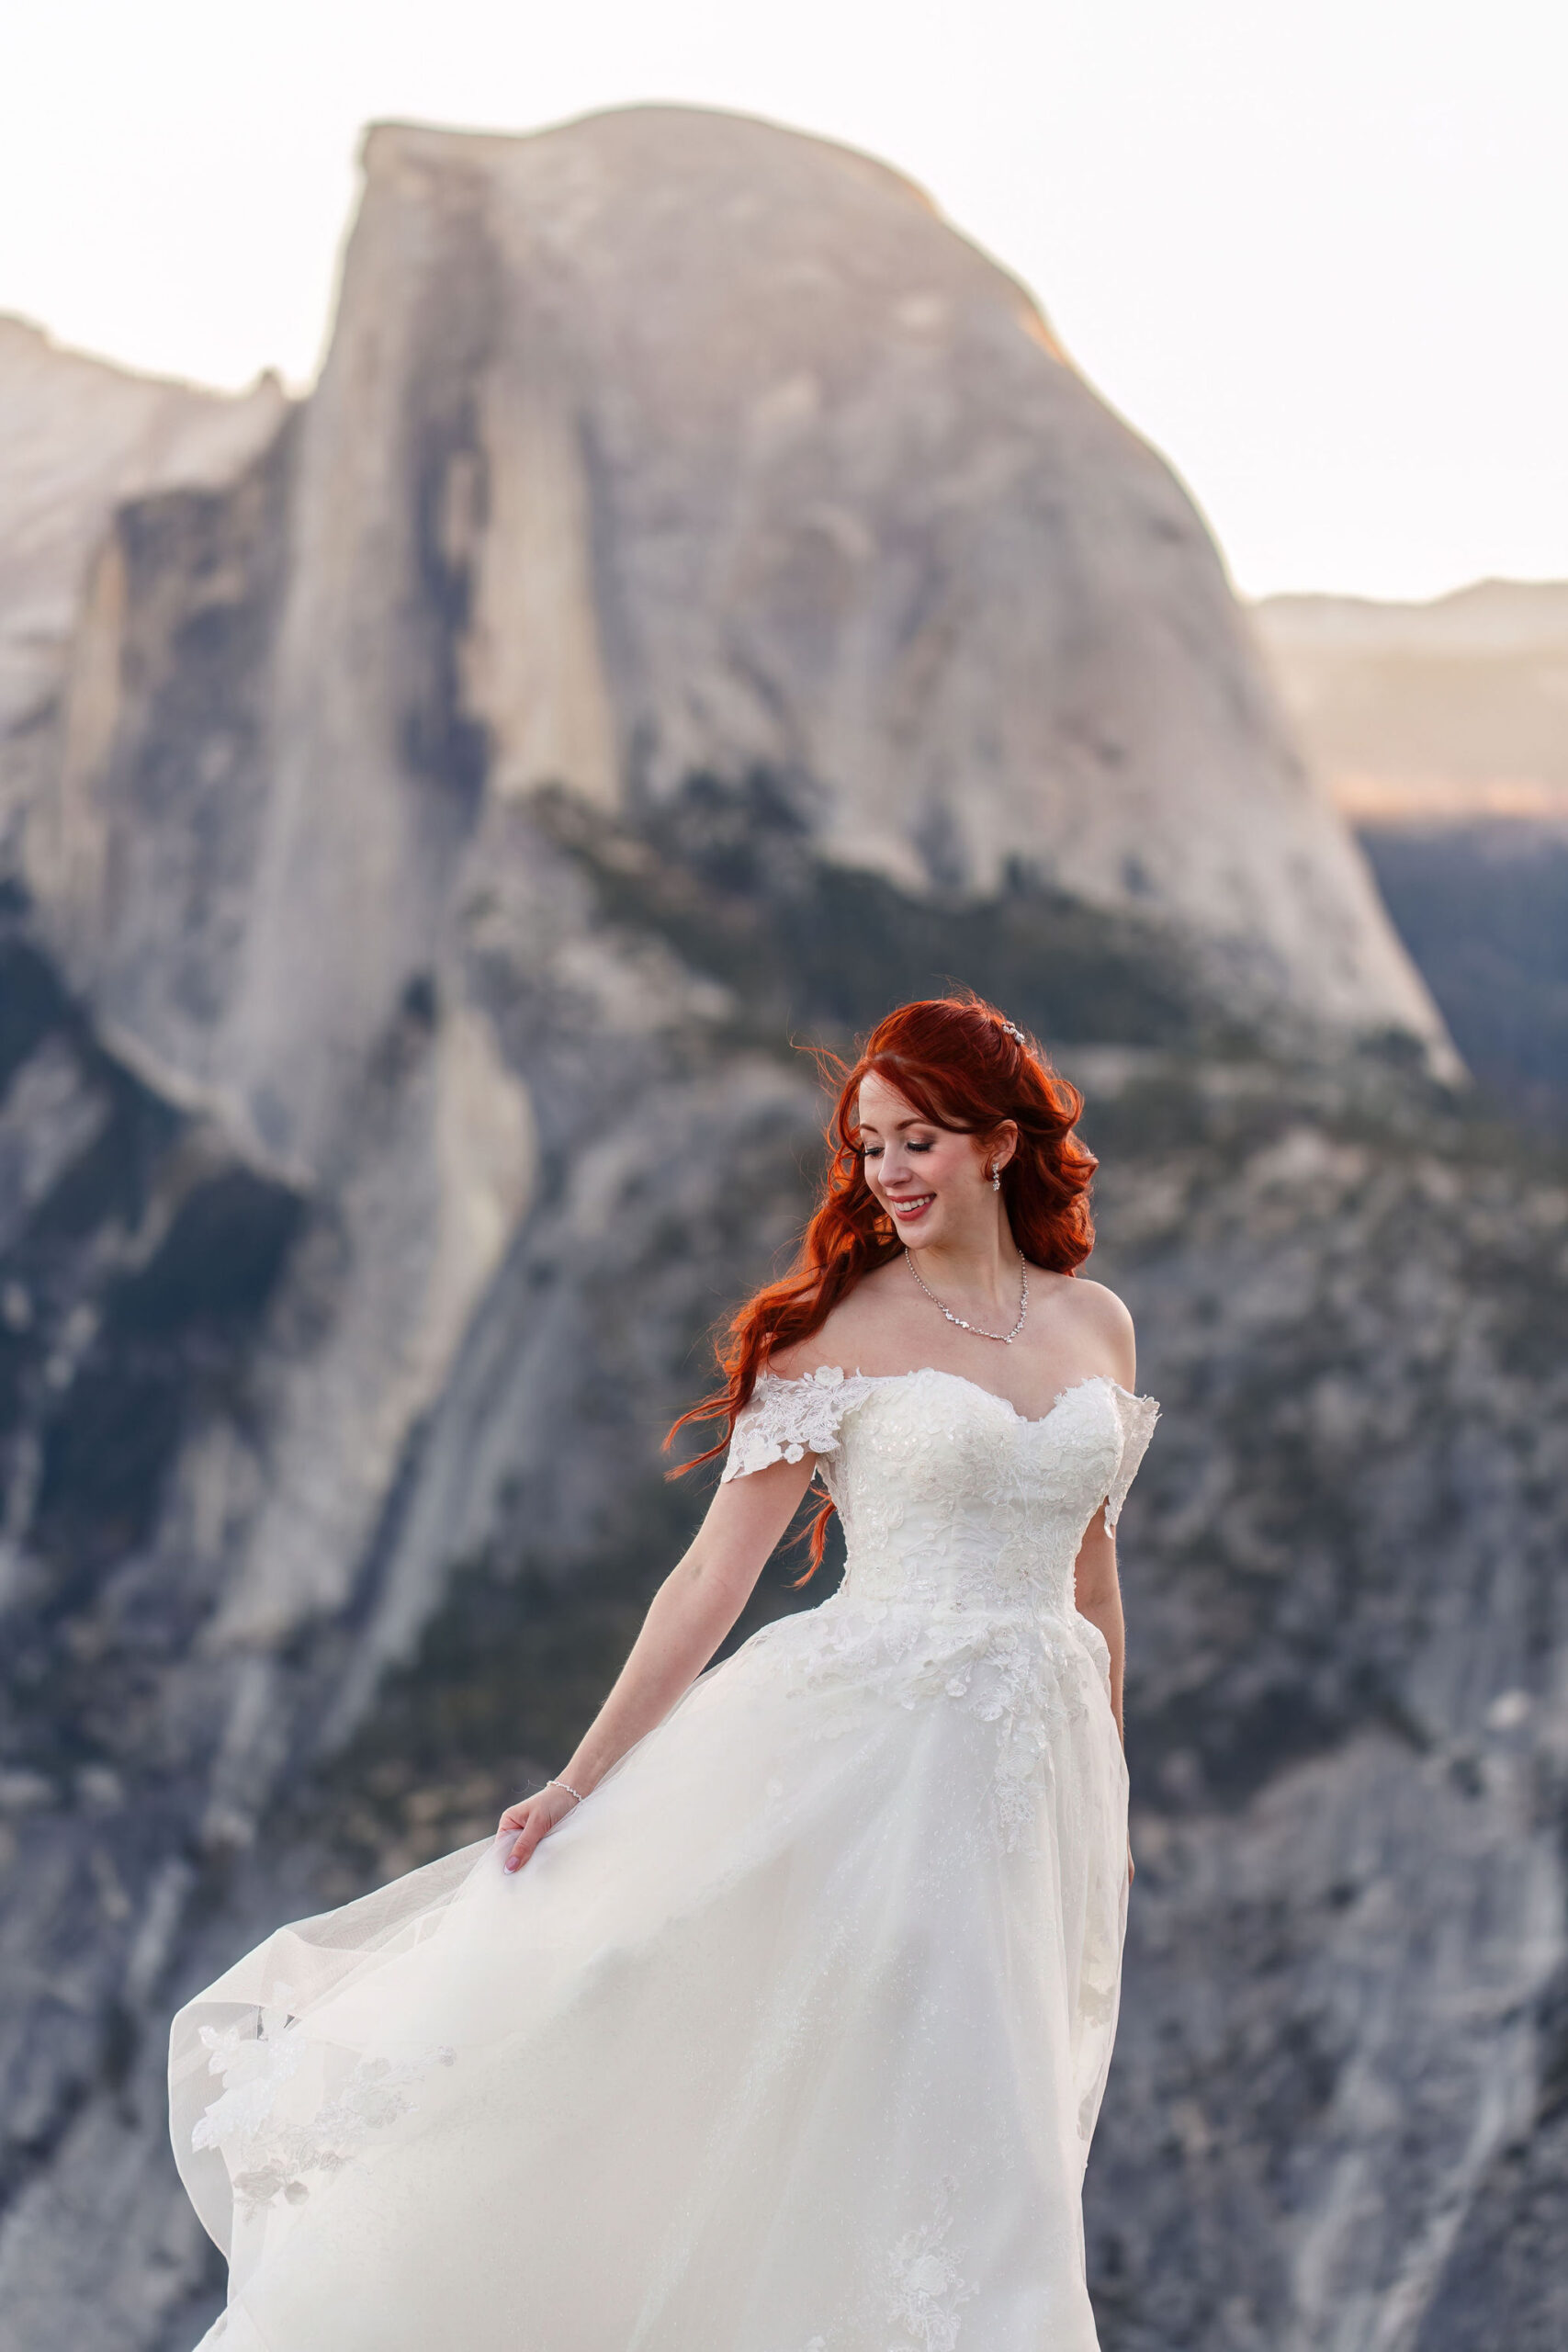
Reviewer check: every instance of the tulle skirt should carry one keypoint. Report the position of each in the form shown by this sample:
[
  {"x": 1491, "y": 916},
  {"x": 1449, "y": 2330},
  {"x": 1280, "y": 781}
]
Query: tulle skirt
[{"x": 789, "y": 2039}]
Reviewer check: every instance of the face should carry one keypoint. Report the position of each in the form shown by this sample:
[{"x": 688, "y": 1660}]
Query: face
[{"x": 933, "y": 1183}]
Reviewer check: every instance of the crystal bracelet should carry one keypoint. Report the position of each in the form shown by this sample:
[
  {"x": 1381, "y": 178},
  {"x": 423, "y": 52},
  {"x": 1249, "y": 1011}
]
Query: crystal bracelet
[{"x": 574, "y": 1795}]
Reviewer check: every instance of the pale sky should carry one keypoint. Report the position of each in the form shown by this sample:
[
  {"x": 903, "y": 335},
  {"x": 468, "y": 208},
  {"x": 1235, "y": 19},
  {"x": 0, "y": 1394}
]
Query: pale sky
[{"x": 1314, "y": 249}]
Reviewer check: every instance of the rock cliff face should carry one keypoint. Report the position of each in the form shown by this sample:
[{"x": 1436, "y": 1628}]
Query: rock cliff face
[
  {"x": 664, "y": 446},
  {"x": 699, "y": 605},
  {"x": 76, "y": 438}
]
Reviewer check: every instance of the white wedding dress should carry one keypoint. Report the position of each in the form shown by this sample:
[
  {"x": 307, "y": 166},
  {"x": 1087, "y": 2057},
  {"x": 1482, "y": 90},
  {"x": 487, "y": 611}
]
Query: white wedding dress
[{"x": 793, "y": 2036}]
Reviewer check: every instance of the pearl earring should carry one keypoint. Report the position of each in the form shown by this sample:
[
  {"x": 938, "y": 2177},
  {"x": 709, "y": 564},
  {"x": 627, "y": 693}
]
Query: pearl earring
[{"x": 995, "y": 1180}]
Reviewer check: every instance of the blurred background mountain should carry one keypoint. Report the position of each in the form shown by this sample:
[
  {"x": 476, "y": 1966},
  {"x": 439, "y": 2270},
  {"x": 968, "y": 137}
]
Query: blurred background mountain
[
  {"x": 1441, "y": 731},
  {"x": 699, "y": 606}
]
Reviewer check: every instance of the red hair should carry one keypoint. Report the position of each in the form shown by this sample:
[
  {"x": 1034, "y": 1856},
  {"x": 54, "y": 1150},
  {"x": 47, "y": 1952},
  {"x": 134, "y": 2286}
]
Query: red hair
[{"x": 959, "y": 1063}]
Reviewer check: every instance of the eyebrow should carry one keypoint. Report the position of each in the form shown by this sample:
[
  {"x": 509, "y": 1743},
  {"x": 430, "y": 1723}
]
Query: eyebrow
[{"x": 897, "y": 1125}]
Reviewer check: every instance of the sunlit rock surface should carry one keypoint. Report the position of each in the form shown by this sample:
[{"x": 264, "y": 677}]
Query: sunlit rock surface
[{"x": 699, "y": 608}]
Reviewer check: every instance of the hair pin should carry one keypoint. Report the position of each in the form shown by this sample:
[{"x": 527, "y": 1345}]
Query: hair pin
[{"x": 1014, "y": 1033}]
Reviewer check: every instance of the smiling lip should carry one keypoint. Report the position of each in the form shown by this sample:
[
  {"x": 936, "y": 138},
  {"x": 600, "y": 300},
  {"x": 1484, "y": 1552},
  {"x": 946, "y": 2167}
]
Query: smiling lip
[{"x": 916, "y": 1206}]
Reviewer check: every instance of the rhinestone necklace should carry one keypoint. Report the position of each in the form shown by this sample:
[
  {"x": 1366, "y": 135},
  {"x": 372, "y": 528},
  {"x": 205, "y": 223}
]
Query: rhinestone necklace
[{"x": 1006, "y": 1338}]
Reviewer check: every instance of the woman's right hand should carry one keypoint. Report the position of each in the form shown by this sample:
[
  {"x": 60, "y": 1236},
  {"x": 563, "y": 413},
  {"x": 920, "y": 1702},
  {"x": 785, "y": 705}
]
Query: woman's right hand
[{"x": 531, "y": 1819}]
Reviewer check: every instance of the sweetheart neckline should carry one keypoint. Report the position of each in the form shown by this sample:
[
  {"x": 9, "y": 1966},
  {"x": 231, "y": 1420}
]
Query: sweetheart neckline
[{"x": 936, "y": 1372}]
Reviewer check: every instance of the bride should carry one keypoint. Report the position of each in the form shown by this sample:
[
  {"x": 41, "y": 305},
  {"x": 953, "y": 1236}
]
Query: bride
[{"x": 778, "y": 2020}]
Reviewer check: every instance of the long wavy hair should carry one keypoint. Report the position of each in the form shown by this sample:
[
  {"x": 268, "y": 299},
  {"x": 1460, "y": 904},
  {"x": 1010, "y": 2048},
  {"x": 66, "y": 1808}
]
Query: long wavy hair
[{"x": 959, "y": 1063}]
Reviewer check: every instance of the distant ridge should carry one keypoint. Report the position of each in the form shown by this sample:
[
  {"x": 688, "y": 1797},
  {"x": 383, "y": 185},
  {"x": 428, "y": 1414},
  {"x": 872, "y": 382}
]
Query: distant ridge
[{"x": 1437, "y": 713}]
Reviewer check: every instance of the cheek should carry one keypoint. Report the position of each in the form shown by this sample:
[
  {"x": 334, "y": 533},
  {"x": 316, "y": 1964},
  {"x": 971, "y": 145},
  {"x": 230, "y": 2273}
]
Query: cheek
[{"x": 952, "y": 1164}]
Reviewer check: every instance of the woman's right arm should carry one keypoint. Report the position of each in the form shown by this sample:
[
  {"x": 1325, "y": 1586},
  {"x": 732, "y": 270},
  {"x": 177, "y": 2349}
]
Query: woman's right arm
[{"x": 689, "y": 1616}]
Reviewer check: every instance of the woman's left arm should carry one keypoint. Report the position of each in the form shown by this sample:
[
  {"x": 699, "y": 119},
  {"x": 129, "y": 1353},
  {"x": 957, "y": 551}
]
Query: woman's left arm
[{"x": 1098, "y": 1592}]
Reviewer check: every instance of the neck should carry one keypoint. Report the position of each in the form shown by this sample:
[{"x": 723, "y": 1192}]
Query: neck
[{"x": 981, "y": 1267}]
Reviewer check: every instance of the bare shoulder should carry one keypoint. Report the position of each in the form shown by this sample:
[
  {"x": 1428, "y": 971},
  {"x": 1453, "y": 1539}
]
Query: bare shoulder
[
  {"x": 1102, "y": 1321},
  {"x": 852, "y": 1333}
]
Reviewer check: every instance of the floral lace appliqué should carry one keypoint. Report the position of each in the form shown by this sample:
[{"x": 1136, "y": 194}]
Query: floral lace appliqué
[
  {"x": 786, "y": 1419},
  {"x": 270, "y": 2152},
  {"x": 926, "y": 2283},
  {"x": 1026, "y": 1678}
]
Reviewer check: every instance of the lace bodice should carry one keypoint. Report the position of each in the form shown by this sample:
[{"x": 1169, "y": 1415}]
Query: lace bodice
[{"x": 950, "y": 1497}]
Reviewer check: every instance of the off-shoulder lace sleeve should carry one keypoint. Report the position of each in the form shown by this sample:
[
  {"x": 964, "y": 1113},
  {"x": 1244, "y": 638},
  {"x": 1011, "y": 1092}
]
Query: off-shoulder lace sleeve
[
  {"x": 1138, "y": 1416},
  {"x": 786, "y": 1419}
]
